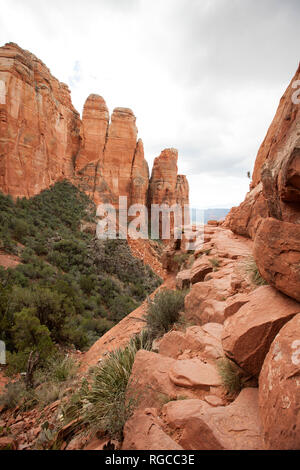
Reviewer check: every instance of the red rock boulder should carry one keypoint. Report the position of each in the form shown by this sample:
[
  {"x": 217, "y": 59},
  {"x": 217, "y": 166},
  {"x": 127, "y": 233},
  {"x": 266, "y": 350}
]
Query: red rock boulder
[
  {"x": 204, "y": 427},
  {"x": 277, "y": 255},
  {"x": 279, "y": 390},
  {"x": 248, "y": 334},
  {"x": 144, "y": 432}
]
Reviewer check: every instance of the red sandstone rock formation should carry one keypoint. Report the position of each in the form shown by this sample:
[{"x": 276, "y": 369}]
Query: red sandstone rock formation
[
  {"x": 139, "y": 176},
  {"x": 200, "y": 426},
  {"x": 166, "y": 186},
  {"x": 95, "y": 120},
  {"x": 275, "y": 196},
  {"x": 279, "y": 391},
  {"x": 275, "y": 187},
  {"x": 43, "y": 140},
  {"x": 118, "y": 156},
  {"x": 248, "y": 334},
  {"x": 150, "y": 434},
  {"x": 39, "y": 128},
  {"x": 277, "y": 255}
]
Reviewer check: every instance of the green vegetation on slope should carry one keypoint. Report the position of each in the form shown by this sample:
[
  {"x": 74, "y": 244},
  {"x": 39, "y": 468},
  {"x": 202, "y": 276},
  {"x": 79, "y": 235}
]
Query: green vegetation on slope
[{"x": 70, "y": 288}]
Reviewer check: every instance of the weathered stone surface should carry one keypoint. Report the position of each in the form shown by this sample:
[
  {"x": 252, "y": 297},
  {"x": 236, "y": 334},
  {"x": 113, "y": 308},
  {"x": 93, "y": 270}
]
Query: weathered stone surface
[
  {"x": 139, "y": 176},
  {"x": 204, "y": 427},
  {"x": 213, "y": 223},
  {"x": 114, "y": 179},
  {"x": 193, "y": 373},
  {"x": 199, "y": 269},
  {"x": 166, "y": 187},
  {"x": 150, "y": 375},
  {"x": 248, "y": 334},
  {"x": 202, "y": 341},
  {"x": 277, "y": 255},
  {"x": 205, "y": 301},
  {"x": 8, "y": 443},
  {"x": 164, "y": 178},
  {"x": 39, "y": 128},
  {"x": 234, "y": 303},
  {"x": 275, "y": 187},
  {"x": 229, "y": 245},
  {"x": 245, "y": 219},
  {"x": 143, "y": 432},
  {"x": 213, "y": 400},
  {"x": 95, "y": 120},
  {"x": 157, "y": 377},
  {"x": 279, "y": 390},
  {"x": 183, "y": 279}
]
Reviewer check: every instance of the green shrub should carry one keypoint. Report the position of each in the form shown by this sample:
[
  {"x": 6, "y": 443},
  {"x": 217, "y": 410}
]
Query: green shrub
[
  {"x": 181, "y": 258},
  {"x": 253, "y": 272},
  {"x": 16, "y": 394},
  {"x": 50, "y": 380},
  {"x": 110, "y": 399},
  {"x": 20, "y": 229},
  {"x": 29, "y": 335},
  {"x": 164, "y": 311},
  {"x": 78, "y": 286},
  {"x": 61, "y": 368},
  {"x": 230, "y": 374},
  {"x": 215, "y": 262}
]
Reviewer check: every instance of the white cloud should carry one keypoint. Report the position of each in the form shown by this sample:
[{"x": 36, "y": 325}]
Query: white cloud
[{"x": 204, "y": 76}]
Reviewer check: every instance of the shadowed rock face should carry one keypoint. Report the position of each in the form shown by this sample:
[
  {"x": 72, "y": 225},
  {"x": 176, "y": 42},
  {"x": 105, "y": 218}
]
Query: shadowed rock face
[{"x": 43, "y": 140}]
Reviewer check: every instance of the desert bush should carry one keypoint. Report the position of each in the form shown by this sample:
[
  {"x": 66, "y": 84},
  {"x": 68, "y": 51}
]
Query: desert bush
[
  {"x": 252, "y": 271},
  {"x": 79, "y": 287},
  {"x": 61, "y": 368},
  {"x": 215, "y": 262},
  {"x": 28, "y": 335},
  {"x": 50, "y": 380},
  {"x": 181, "y": 258},
  {"x": 163, "y": 311},
  {"x": 16, "y": 394},
  {"x": 111, "y": 398},
  {"x": 230, "y": 374}
]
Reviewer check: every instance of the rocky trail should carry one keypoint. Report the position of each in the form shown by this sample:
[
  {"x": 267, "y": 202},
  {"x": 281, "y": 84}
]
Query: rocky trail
[
  {"x": 184, "y": 402},
  {"x": 187, "y": 405}
]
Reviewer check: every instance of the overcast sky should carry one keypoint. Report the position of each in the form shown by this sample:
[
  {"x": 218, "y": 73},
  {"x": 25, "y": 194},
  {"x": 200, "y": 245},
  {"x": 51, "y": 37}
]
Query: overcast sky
[{"x": 204, "y": 76}]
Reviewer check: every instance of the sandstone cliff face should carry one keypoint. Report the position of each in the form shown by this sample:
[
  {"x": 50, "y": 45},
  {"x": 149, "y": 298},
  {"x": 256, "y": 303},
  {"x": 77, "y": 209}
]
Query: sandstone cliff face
[
  {"x": 39, "y": 128},
  {"x": 275, "y": 187},
  {"x": 139, "y": 176},
  {"x": 95, "y": 120},
  {"x": 118, "y": 156},
  {"x": 271, "y": 210},
  {"x": 111, "y": 162},
  {"x": 166, "y": 186},
  {"x": 42, "y": 140}
]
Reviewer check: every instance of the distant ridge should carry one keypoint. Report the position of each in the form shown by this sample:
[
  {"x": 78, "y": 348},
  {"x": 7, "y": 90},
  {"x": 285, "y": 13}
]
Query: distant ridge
[{"x": 197, "y": 215}]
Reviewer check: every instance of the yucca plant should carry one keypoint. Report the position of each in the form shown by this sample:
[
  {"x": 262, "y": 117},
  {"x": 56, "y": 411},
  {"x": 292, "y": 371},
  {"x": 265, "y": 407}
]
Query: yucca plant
[
  {"x": 253, "y": 272},
  {"x": 108, "y": 402},
  {"x": 230, "y": 374}
]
